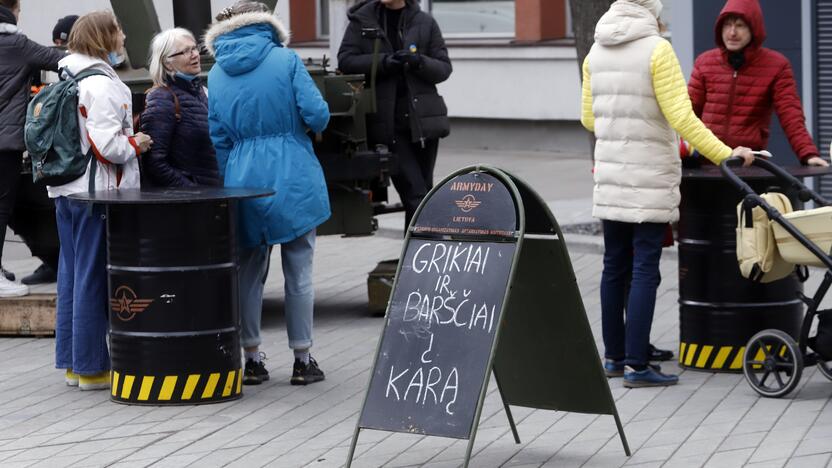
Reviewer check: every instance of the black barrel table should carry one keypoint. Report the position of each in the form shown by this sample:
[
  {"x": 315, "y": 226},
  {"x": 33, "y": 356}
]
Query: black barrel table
[
  {"x": 174, "y": 319},
  {"x": 719, "y": 310}
]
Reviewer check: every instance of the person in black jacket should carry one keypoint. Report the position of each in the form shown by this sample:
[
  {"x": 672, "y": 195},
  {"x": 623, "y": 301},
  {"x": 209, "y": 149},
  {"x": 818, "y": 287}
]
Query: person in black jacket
[
  {"x": 411, "y": 115},
  {"x": 176, "y": 116},
  {"x": 19, "y": 57},
  {"x": 33, "y": 216}
]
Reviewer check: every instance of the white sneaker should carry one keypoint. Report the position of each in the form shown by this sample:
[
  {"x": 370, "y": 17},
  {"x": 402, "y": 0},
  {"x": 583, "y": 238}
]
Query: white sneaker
[{"x": 12, "y": 289}]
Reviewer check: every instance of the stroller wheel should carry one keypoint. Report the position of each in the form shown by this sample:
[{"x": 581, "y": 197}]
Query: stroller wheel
[
  {"x": 772, "y": 363},
  {"x": 825, "y": 368}
]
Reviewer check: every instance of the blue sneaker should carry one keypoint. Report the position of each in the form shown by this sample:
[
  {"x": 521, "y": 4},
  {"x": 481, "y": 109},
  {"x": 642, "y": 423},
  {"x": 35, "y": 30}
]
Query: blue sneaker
[
  {"x": 650, "y": 377},
  {"x": 613, "y": 368}
]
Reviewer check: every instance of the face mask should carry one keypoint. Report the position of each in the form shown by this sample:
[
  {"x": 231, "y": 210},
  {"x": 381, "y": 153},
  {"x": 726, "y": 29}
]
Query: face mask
[
  {"x": 115, "y": 59},
  {"x": 185, "y": 76}
]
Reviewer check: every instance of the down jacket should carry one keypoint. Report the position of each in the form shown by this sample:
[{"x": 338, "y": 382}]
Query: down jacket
[
  {"x": 737, "y": 104},
  {"x": 19, "y": 57},
  {"x": 182, "y": 154},
  {"x": 261, "y": 102},
  {"x": 428, "y": 113},
  {"x": 635, "y": 100}
]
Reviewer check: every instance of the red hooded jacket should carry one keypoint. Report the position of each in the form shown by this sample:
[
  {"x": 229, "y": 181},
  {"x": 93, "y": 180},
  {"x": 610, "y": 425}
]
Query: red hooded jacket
[{"x": 737, "y": 105}]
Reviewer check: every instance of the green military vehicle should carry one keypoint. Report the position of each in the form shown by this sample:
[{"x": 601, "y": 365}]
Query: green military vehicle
[{"x": 356, "y": 174}]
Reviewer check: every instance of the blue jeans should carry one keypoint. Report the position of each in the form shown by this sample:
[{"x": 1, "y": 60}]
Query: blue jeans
[
  {"x": 81, "y": 320},
  {"x": 296, "y": 256},
  {"x": 631, "y": 254}
]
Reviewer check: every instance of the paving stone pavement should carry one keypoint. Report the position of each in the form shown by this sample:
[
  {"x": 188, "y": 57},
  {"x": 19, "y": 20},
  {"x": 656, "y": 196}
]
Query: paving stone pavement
[
  {"x": 712, "y": 420},
  {"x": 707, "y": 420}
]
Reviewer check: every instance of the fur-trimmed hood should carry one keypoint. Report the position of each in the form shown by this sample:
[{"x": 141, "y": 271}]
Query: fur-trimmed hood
[
  {"x": 281, "y": 32},
  {"x": 242, "y": 43}
]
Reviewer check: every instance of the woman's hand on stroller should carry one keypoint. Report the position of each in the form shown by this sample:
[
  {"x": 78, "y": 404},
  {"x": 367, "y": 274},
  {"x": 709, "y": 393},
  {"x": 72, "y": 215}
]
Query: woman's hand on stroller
[
  {"x": 817, "y": 161},
  {"x": 746, "y": 155}
]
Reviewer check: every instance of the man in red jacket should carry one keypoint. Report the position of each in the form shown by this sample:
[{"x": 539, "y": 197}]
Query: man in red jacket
[{"x": 736, "y": 86}]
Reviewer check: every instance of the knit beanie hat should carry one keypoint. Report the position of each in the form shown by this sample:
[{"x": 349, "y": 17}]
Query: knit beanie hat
[
  {"x": 655, "y": 6},
  {"x": 62, "y": 29}
]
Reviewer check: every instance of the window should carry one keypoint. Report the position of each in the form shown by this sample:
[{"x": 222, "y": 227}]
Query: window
[
  {"x": 492, "y": 18},
  {"x": 323, "y": 19}
]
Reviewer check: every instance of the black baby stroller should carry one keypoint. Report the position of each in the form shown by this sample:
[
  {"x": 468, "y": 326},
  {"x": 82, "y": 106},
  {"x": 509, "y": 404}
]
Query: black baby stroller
[{"x": 773, "y": 362}]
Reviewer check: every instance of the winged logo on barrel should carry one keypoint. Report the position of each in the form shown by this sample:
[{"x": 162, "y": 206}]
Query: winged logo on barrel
[{"x": 126, "y": 304}]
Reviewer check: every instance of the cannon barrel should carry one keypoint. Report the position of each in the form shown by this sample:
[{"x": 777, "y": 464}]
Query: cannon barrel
[
  {"x": 195, "y": 16},
  {"x": 140, "y": 23}
]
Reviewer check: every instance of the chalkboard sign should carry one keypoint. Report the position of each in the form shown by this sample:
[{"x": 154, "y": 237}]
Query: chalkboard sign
[
  {"x": 475, "y": 293},
  {"x": 437, "y": 341}
]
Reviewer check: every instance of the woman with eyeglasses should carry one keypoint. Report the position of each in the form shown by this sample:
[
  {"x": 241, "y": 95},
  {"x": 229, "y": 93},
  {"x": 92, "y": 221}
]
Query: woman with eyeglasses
[{"x": 176, "y": 116}]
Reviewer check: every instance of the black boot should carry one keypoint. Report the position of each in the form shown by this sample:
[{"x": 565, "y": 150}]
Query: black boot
[
  {"x": 655, "y": 354},
  {"x": 44, "y": 274}
]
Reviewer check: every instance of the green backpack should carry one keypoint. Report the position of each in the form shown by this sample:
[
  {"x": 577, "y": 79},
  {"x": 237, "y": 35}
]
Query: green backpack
[{"x": 52, "y": 133}]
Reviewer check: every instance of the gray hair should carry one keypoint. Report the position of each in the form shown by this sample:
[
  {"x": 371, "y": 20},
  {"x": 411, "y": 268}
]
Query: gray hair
[
  {"x": 162, "y": 46},
  {"x": 240, "y": 7}
]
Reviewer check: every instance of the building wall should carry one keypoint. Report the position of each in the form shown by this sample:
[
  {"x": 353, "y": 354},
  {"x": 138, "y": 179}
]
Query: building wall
[
  {"x": 38, "y": 17},
  {"x": 528, "y": 83},
  {"x": 533, "y": 78}
]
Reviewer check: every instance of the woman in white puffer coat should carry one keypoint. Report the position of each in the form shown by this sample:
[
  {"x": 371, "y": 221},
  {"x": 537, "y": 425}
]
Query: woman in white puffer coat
[
  {"x": 635, "y": 100},
  {"x": 106, "y": 130}
]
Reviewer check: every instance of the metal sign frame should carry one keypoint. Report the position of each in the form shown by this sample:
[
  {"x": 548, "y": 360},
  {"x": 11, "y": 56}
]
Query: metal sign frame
[{"x": 544, "y": 227}]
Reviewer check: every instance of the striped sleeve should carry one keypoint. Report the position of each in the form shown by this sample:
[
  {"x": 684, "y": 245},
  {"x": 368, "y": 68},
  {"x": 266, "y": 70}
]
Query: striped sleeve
[
  {"x": 587, "y": 117},
  {"x": 674, "y": 101}
]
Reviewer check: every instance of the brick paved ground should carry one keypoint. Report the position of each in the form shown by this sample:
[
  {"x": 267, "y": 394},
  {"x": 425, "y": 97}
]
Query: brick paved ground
[{"x": 707, "y": 420}]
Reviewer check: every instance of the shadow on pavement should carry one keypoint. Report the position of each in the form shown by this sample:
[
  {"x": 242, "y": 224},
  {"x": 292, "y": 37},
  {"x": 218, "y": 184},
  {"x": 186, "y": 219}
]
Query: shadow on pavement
[{"x": 325, "y": 312}]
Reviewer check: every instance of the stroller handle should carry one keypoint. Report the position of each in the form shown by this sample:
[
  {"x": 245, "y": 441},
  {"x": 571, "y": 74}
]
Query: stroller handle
[{"x": 790, "y": 181}]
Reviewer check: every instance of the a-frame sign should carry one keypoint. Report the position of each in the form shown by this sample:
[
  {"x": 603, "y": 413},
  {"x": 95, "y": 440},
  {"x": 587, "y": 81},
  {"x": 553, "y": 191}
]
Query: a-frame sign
[{"x": 484, "y": 283}]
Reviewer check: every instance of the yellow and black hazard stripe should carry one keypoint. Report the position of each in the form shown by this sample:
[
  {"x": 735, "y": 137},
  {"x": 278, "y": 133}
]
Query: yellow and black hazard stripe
[
  {"x": 184, "y": 389},
  {"x": 711, "y": 357}
]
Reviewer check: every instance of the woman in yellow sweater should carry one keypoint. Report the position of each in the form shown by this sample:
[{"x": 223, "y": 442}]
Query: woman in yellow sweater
[{"x": 635, "y": 100}]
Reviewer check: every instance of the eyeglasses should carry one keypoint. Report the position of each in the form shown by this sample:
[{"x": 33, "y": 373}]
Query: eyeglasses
[{"x": 188, "y": 51}]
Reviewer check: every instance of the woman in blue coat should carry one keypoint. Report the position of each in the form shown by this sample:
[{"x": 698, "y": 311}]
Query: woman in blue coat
[{"x": 261, "y": 104}]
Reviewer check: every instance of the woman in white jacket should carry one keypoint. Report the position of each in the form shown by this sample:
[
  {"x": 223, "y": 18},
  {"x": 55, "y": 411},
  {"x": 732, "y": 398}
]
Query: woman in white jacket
[{"x": 106, "y": 131}]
